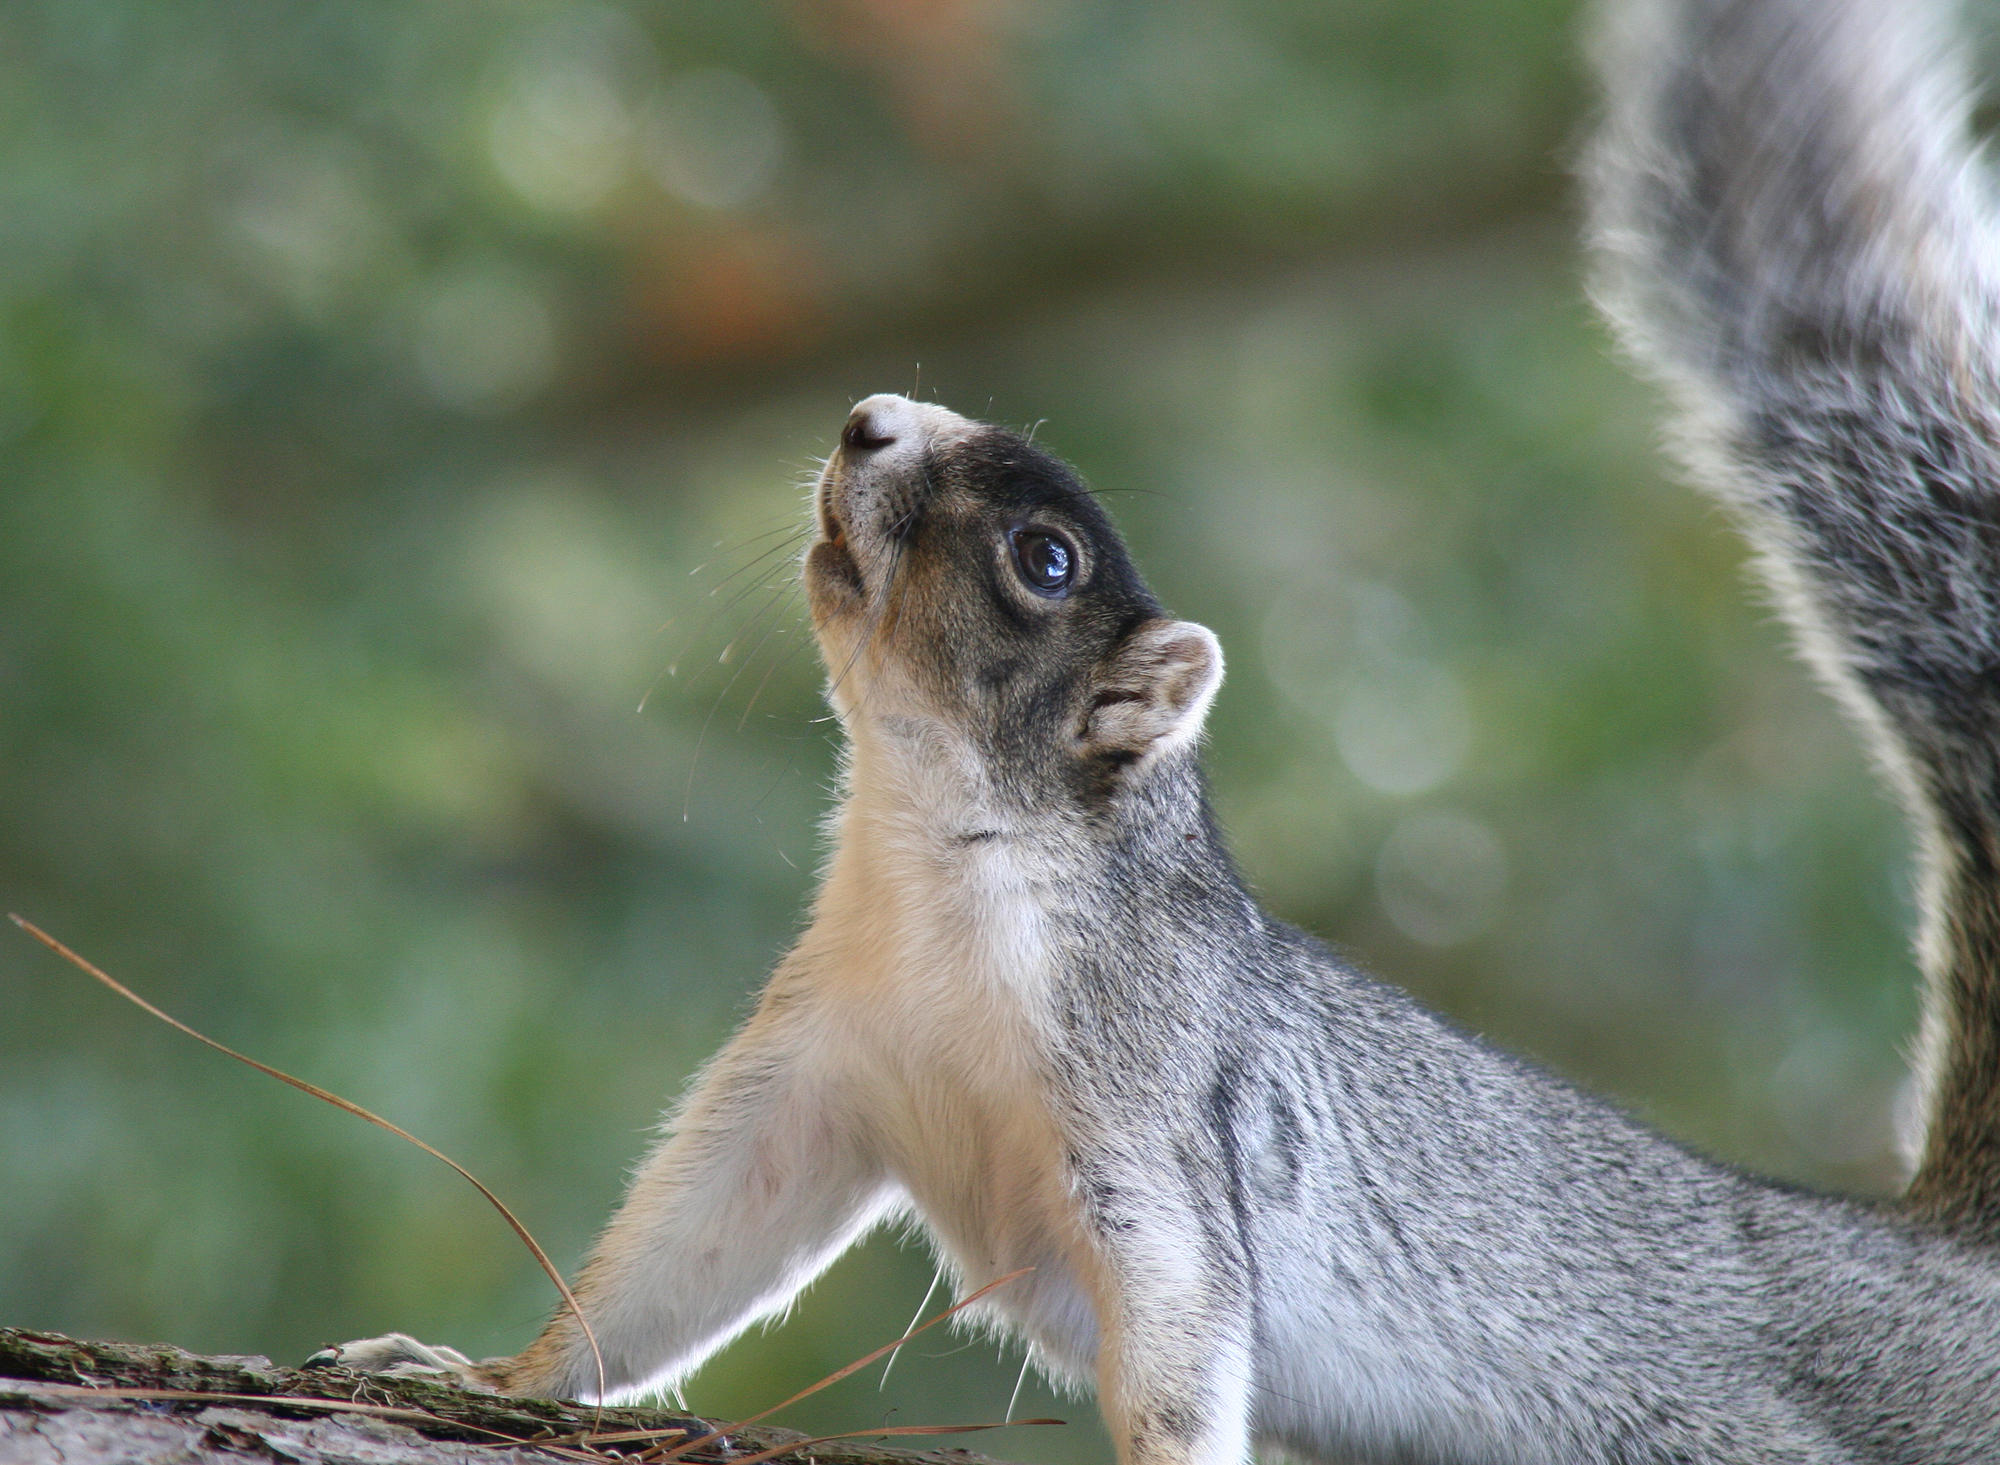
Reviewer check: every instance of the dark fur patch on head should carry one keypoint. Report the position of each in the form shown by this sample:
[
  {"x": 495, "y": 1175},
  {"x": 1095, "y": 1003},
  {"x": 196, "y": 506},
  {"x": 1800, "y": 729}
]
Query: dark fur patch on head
[{"x": 958, "y": 620}]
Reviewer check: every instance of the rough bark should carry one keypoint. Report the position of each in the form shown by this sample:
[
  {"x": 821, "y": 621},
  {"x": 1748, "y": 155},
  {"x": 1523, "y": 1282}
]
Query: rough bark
[{"x": 64, "y": 1402}]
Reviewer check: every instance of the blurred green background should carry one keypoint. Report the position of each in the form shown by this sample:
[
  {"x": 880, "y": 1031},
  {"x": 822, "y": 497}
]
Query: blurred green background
[{"x": 393, "y": 398}]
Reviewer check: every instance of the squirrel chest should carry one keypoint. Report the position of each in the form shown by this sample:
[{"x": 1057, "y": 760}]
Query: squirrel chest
[{"x": 930, "y": 953}]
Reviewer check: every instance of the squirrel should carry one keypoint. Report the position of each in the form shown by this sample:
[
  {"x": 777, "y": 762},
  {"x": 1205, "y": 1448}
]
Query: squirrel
[{"x": 1267, "y": 1199}]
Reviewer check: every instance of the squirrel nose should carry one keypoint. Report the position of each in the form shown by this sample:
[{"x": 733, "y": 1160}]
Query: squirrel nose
[
  {"x": 886, "y": 422},
  {"x": 869, "y": 428}
]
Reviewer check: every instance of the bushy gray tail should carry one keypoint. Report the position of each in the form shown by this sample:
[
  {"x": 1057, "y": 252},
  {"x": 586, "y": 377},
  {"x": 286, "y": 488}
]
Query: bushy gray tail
[{"x": 1791, "y": 231}]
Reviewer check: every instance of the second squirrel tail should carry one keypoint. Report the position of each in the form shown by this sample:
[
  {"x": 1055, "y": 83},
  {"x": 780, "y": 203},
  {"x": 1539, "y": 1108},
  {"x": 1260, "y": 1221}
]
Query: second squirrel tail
[{"x": 1790, "y": 230}]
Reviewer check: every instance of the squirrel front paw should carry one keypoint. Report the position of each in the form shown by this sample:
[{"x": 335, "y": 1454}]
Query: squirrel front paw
[{"x": 401, "y": 1355}]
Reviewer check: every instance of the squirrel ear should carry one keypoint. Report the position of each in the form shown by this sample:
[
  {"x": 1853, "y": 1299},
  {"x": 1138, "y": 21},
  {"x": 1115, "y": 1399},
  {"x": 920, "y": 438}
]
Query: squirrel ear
[{"x": 1153, "y": 692}]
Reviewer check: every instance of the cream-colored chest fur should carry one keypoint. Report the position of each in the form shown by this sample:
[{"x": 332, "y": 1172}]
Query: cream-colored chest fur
[{"x": 930, "y": 958}]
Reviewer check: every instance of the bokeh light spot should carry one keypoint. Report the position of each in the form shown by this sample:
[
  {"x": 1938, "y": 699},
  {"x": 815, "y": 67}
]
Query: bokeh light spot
[{"x": 714, "y": 139}]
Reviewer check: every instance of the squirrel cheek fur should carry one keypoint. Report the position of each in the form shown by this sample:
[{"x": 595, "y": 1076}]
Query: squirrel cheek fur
[{"x": 1265, "y": 1198}]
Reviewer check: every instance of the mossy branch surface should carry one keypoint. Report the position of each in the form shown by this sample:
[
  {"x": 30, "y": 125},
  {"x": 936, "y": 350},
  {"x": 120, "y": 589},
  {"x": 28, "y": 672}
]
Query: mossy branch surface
[{"x": 76, "y": 1402}]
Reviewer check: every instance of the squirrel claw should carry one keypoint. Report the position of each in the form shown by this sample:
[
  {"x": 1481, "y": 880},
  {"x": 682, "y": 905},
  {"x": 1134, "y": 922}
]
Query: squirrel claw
[{"x": 401, "y": 1356}]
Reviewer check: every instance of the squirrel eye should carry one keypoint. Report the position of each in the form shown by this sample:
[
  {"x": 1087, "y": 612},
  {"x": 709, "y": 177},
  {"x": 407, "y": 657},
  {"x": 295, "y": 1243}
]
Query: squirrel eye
[{"x": 1045, "y": 560}]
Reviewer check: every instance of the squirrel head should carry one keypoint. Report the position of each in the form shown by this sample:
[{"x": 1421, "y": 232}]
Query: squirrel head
[{"x": 968, "y": 591}]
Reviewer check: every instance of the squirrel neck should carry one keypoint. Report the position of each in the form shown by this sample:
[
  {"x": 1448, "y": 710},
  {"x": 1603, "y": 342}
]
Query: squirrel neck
[
  {"x": 937, "y": 861},
  {"x": 914, "y": 787}
]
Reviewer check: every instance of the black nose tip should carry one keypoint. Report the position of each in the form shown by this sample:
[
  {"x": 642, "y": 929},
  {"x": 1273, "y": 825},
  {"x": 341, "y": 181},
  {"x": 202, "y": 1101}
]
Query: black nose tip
[{"x": 863, "y": 434}]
